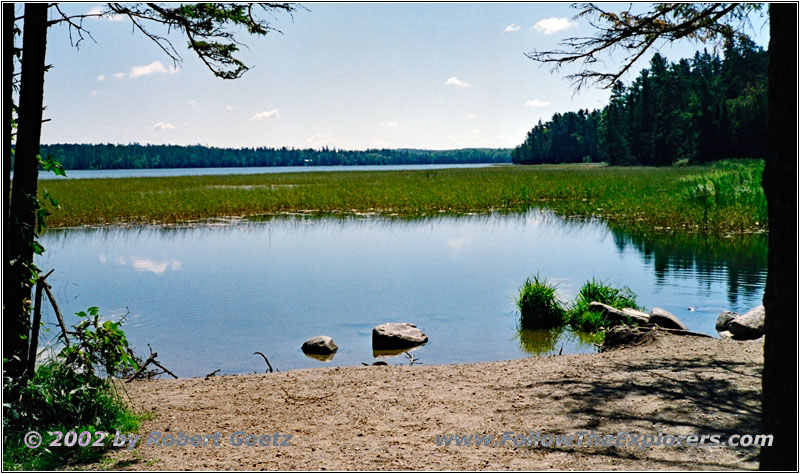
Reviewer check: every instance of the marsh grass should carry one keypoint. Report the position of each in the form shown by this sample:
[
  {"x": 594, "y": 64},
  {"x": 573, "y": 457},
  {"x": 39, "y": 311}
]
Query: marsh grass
[
  {"x": 539, "y": 306},
  {"x": 636, "y": 198}
]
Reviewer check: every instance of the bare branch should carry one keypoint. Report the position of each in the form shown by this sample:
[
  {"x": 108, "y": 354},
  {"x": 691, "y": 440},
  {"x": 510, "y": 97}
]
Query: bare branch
[{"x": 637, "y": 33}]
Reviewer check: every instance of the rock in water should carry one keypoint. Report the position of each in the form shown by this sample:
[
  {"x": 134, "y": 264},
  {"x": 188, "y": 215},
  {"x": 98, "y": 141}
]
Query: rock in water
[
  {"x": 724, "y": 319},
  {"x": 320, "y": 345},
  {"x": 750, "y": 325},
  {"x": 620, "y": 316},
  {"x": 389, "y": 336},
  {"x": 665, "y": 319}
]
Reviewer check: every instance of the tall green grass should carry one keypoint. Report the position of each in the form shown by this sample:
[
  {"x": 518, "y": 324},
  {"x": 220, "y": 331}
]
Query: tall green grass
[
  {"x": 539, "y": 306},
  {"x": 637, "y": 198}
]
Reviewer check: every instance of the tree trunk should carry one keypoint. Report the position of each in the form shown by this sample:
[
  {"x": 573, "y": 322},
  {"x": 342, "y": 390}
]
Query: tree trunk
[
  {"x": 21, "y": 224},
  {"x": 779, "y": 382}
]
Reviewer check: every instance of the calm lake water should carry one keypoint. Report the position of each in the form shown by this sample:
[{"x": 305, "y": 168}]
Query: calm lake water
[
  {"x": 206, "y": 297},
  {"x": 168, "y": 172}
]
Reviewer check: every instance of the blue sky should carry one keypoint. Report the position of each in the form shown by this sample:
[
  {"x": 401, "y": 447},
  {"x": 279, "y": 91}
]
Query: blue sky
[{"x": 350, "y": 76}]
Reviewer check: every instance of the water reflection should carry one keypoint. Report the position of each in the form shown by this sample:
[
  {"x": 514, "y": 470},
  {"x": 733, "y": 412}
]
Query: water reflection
[
  {"x": 740, "y": 260},
  {"x": 542, "y": 342},
  {"x": 206, "y": 296}
]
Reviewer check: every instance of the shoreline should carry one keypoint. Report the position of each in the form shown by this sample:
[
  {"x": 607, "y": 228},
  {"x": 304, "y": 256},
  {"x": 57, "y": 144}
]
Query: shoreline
[{"x": 388, "y": 417}]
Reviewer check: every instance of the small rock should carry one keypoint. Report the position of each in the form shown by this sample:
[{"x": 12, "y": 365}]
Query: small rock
[
  {"x": 397, "y": 336},
  {"x": 724, "y": 319},
  {"x": 665, "y": 319},
  {"x": 750, "y": 325},
  {"x": 322, "y": 345}
]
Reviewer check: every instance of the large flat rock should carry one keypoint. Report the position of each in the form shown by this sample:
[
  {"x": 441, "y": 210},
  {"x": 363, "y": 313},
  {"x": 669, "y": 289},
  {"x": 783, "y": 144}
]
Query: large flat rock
[{"x": 389, "y": 336}]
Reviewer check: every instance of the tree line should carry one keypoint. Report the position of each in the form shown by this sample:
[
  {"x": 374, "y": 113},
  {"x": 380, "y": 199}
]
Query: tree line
[
  {"x": 696, "y": 110},
  {"x": 137, "y": 156}
]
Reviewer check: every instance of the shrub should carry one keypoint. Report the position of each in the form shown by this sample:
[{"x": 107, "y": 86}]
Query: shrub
[
  {"x": 65, "y": 395},
  {"x": 539, "y": 306},
  {"x": 580, "y": 317}
]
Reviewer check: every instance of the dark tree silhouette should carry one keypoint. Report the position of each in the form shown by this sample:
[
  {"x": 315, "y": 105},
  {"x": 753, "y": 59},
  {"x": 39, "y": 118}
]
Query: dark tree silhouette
[{"x": 635, "y": 34}]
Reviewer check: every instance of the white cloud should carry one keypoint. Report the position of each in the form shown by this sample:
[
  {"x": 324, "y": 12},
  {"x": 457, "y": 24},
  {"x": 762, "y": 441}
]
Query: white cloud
[
  {"x": 228, "y": 107},
  {"x": 118, "y": 75},
  {"x": 512, "y": 28},
  {"x": 153, "y": 68},
  {"x": 101, "y": 78},
  {"x": 161, "y": 126},
  {"x": 537, "y": 103},
  {"x": 266, "y": 114},
  {"x": 548, "y": 26},
  {"x": 389, "y": 124},
  {"x": 454, "y": 81},
  {"x": 471, "y": 116}
]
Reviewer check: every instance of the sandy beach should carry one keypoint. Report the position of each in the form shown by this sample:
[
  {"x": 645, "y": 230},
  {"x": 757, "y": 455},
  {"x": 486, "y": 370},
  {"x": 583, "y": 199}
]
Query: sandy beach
[{"x": 388, "y": 418}]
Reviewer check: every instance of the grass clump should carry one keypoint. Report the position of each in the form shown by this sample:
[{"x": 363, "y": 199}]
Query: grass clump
[
  {"x": 581, "y": 317},
  {"x": 60, "y": 397},
  {"x": 539, "y": 306}
]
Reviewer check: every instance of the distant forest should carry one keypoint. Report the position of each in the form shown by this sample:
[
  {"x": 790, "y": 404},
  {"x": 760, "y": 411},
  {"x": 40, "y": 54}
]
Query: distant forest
[
  {"x": 694, "y": 111},
  {"x": 136, "y": 156}
]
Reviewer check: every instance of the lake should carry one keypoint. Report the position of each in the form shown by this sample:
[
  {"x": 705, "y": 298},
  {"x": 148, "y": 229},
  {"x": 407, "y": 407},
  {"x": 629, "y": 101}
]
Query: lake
[
  {"x": 206, "y": 297},
  {"x": 169, "y": 172}
]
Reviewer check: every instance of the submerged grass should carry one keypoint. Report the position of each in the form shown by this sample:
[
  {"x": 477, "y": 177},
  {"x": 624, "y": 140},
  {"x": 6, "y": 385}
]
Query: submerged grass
[{"x": 721, "y": 198}]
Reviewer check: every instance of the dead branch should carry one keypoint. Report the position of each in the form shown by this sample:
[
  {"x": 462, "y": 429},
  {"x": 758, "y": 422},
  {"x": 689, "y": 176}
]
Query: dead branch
[
  {"x": 157, "y": 364},
  {"x": 212, "y": 374},
  {"x": 265, "y": 360},
  {"x": 141, "y": 369},
  {"x": 60, "y": 318}
]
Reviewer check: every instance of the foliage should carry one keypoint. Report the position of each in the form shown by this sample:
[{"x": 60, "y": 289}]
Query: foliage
[
  {"x": 65, "y": 394},
  {"x": 700, "y": 110},
  {"x": 102, "y": 344},
  {"x": 61, "y": 397},
  {"x": 539, "y": 305},
  {"x": 135, "y": 156},
  {"x": 580, "y": 317}
]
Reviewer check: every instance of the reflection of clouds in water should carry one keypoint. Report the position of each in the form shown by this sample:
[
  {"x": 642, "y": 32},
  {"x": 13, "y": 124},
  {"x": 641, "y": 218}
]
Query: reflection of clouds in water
[
  {"x": 456, "y": 246},
  {"x": 153, "y": 266},
  {"x": 140, "y": 264}
]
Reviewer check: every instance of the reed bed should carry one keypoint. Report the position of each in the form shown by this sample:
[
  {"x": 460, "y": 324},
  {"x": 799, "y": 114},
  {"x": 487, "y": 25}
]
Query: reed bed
[{"x": 722, "y": 198}]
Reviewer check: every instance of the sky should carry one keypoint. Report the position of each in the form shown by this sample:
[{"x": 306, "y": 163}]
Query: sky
[{"x": 349, "y": 76}]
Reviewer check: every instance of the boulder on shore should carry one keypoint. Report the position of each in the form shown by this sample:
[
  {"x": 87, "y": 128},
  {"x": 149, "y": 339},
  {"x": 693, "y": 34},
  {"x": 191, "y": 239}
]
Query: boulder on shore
[
  {"x": 665, "y": 319},
  {"x": 390, "y": 336},
  {"x": 750, "y": 325},
  {"x": 723, "y": 320},
  {"x": 321, "y": 345}
]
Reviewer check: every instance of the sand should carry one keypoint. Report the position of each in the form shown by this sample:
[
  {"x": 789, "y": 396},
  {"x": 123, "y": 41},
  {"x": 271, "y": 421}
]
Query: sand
[{"x": 387, "y": 418}]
